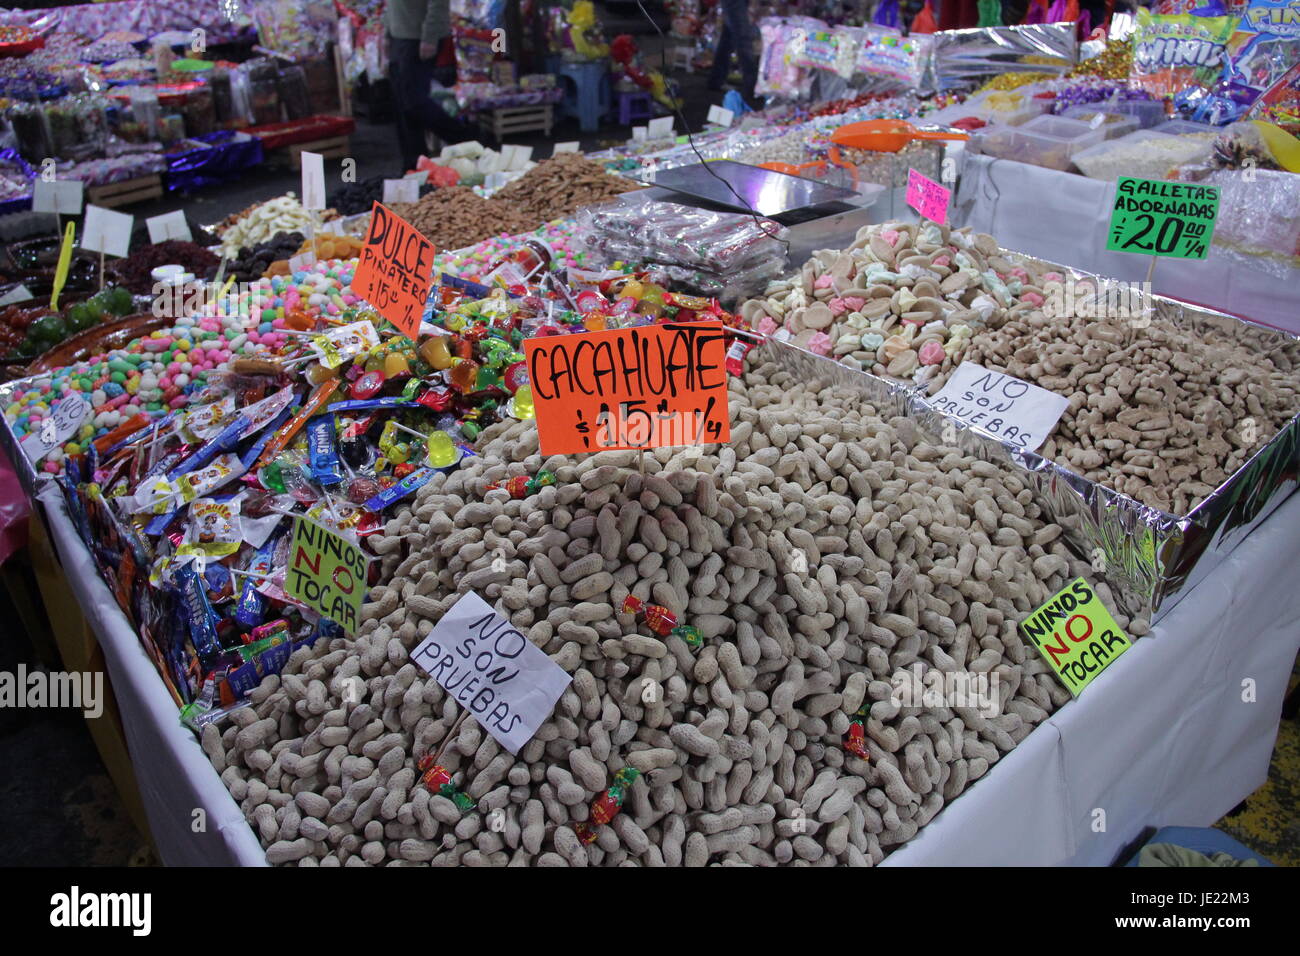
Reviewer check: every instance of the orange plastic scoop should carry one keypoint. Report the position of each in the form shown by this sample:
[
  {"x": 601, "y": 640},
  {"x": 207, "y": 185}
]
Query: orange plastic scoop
[
  {"x": 887, "y": 135},
  {"x": 787, "y": 168}
]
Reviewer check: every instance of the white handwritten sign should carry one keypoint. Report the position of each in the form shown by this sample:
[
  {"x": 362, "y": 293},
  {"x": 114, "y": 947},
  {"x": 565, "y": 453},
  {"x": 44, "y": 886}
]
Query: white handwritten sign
[
  {"x": 170, "y": 225},
  {"x": 401, "y": 190},
  {"x": 62, "y": 424},
  {"x": 62, "y": 196},
  {"x": 1001, "y": 406},
  {"x": 506, "y": 681},
  {"x": 106, "y": 231}
]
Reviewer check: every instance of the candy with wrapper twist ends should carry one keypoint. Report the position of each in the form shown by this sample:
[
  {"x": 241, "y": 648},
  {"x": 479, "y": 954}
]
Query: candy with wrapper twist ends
[
  {"x": 607, "y": 806},
  {"x": 437, "y": 780},
  {"x": 521, "y": 486},
  {"x": 855, "y": 739},
  {"x": 664, "y": 622}
]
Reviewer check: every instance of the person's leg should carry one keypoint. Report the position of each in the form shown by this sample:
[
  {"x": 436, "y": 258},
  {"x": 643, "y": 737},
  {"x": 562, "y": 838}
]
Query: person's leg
[
  {"x": 735, "y": 16},
  {"x": 721, "y": 60},
  {"x": 403, "y": 56}
]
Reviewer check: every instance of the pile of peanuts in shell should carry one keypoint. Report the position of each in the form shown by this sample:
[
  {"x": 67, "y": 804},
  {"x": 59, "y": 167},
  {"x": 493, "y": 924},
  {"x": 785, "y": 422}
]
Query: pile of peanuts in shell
[
  {"x": 1156, "y": 412},
  {"x": 823, "y": 553}
]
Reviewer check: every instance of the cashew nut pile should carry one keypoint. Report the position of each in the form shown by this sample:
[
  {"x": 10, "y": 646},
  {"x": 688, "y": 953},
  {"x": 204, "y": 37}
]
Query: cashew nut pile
[
  {"x": 1155, "y": 411},
  {"x": 823, "y": 553}
]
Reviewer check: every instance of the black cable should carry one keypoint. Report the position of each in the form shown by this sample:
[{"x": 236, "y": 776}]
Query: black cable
[{"x": 677, "y": 109}]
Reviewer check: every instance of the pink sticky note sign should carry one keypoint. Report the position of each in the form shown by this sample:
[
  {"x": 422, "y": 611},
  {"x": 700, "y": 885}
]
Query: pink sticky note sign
[{"x": 927, "y": 197}]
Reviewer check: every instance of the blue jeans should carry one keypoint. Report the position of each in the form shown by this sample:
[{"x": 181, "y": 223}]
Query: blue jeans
[{"x": 738, "y": 37}]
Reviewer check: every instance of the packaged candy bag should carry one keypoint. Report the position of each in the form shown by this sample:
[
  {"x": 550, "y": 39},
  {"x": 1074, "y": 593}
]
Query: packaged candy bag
[
  {"x": 213, "y": 529},
  {"x": 890, "y": 60},
  {"x": 1265, "y": 46},
  {"x": 1172, "y": 53}
]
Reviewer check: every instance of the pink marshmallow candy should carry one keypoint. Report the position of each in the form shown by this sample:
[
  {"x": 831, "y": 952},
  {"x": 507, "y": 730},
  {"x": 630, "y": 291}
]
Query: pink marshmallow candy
[{"x": 931, "y": 353}]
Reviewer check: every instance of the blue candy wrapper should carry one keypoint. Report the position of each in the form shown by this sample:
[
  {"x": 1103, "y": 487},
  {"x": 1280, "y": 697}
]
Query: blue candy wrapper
[
  {"x": 323, "y": 449},
  {"x": 407, "y": 486}
]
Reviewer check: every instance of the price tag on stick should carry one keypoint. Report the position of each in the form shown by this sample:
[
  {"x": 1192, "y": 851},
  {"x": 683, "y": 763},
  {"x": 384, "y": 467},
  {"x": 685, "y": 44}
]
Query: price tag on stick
[
  {"x": 928, "y": 198},
  {"x": 107, "y": 232},
  {"x": 1076, "y": 635},
  {"x": 61, "y": 196},
  {"x": 645, "y": 387},
  {"x": 313, "y": 181},
  {"x": 1004, "y": 407},
  {"x": 327, "y": 572},
  {"x": 395, "y": 270},
  {"x": 170, "y": 225},
  {"x": 1158, "y": 218}
]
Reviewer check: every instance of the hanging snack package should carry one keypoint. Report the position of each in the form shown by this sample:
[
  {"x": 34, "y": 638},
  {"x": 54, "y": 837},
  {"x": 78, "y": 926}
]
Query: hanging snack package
[
  {"x": 1173, "y": 53},
  {"x": 817, "y": 52},
  {"x": 890, "y": 60},
  {"x": 1265, "y": 46}
]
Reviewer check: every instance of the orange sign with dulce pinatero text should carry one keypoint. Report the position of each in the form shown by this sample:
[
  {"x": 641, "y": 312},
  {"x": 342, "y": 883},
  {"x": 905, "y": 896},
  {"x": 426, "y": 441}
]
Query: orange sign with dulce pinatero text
[
  {"x": 395, "y": 271},
  {"x": 645, "y": 387}
]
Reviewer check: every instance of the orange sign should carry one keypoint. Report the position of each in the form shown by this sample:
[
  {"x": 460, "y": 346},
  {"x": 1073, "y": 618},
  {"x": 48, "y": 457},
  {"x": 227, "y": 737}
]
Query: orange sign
[
  {"x": 396, "y": 270},
  {"x": 644, "y": 387}
]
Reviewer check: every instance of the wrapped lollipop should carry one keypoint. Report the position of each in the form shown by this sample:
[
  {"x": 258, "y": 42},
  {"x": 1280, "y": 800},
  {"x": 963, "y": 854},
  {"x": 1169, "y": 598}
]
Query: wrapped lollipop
[
  {"x": 607, "y": 806},
  {"x": 437, "y": 780},
  {"x": 855, "y": 738},
  {"x": 521, "y": 486},
  {"x": 663, "y": 621}
]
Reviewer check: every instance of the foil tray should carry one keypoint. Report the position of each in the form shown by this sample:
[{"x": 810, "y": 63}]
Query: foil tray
[{"x": 1150, "y": 559}]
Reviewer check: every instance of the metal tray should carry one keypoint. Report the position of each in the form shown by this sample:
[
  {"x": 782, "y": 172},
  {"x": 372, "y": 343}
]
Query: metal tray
[
  {"x": 768, "y": 192},
  {"x": 1151, "y": 559}
]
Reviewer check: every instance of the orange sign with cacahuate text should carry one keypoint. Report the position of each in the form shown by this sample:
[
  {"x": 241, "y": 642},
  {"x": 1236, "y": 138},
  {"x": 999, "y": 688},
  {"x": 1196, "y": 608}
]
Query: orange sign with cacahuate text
[
  {"x": 644, "y": 387},
  {"x": 396, "y": 270}
]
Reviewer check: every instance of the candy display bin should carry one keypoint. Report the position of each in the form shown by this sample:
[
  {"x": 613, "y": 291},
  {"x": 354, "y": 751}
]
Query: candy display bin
[
  {"x": 1112, "y": 125},
  {"x": 1051, "y": 141},
  {"x": 1145, "y": 154}
]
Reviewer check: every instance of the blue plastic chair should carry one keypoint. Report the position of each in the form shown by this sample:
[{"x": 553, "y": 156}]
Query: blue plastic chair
[
  {"x": 1203, "y": 840},
  {"x": 586, "y": 93}
]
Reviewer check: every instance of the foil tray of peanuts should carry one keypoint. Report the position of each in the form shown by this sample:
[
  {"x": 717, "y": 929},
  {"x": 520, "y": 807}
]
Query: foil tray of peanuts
[{"x": 1151, "y": 544}]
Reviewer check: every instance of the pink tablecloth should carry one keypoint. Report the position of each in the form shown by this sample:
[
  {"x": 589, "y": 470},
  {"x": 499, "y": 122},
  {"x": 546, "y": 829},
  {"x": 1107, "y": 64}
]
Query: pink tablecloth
[{"x": 14, "y": 510}]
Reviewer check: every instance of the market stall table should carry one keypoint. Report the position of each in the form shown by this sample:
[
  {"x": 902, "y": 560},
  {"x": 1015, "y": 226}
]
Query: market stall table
[{"x": 1164, "y": 738}]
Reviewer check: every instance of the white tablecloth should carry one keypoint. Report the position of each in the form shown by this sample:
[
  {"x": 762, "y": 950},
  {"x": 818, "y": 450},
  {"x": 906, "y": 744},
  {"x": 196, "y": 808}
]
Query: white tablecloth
[
  {"x": 1168, "y": 735},
  {"x": 1063, "y": 218},
  {"x": 174, "y": 775},
  {"x": 1163, "y": 737}
]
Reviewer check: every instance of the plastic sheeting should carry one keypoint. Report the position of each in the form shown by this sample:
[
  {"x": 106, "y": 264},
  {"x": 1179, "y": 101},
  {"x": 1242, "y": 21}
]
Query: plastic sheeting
[
  {"x": 1063, "y": 218},
  {"x": 1194, "y": 739}
]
